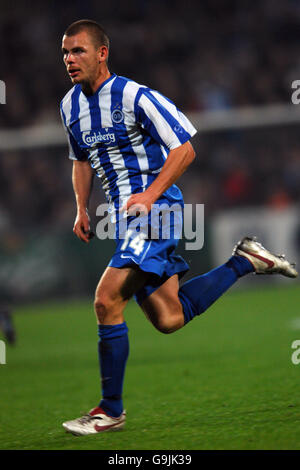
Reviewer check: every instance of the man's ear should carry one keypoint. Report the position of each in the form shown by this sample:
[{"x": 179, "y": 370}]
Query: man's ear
[{"x": 102, "y": 54}]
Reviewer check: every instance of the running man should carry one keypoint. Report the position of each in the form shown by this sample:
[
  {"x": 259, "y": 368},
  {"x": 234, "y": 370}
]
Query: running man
[{"x": 138, "y": 143}]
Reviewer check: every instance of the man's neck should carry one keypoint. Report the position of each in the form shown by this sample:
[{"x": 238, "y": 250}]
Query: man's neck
[{"x": 89, "y": 88}]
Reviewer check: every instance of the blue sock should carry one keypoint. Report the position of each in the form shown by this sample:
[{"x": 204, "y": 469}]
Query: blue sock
[
  {"x": 202, "y": 291},
  {"x": 113, "y": 350}
]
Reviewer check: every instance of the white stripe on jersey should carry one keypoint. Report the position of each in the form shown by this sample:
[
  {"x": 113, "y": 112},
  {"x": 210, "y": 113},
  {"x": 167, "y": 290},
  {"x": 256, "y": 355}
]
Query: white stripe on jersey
[
  {"x": 129, "y": 95},
  {"x": 164, "y": 152},
  {"x": 117, "y": 161},
  {"x": 67, "y": 104},
  {"x": 66, "y": 109},
  {"x": 105, "y": 105},
  {"x": 164, "y": 127},
  {"x": 130, "y": 90},
  {"x": 115, "y": 156},
  {"x": 185, "y": 123},
  {"x": 84, "y": 113},
  {"x": 95, "y": 163}
]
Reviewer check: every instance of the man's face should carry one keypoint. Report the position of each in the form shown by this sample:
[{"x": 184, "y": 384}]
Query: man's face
[{"x": 81, "y": 58}]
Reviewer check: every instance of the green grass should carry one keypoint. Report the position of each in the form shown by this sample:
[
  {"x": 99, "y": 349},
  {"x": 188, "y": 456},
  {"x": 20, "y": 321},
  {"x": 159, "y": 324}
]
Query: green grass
[{"x": 225, "y": 381}]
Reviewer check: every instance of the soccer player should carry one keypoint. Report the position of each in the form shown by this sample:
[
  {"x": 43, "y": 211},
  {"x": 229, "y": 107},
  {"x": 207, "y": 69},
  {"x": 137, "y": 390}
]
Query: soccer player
[
  {"x": 138, "y": 143},
  {"x": 7, "y": 324}
]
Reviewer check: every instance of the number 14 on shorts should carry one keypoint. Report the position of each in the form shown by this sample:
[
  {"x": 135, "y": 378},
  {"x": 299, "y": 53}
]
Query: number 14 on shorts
[{"x": 137, "y": 243}]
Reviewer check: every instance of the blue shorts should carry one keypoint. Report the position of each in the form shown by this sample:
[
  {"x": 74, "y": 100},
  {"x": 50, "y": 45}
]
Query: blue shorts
[{"x": 152, "y": 249}]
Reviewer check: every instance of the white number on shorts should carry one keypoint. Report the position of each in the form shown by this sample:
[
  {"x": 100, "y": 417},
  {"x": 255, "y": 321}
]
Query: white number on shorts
[{"x": 137, "y": 243}]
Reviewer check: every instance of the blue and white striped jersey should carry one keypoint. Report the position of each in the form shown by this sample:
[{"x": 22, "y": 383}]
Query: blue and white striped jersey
[{"x": 125, "y": 130}]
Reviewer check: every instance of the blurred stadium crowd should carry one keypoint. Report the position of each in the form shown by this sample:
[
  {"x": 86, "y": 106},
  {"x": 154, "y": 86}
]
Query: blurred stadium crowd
[{"x": 208, "y": 55}]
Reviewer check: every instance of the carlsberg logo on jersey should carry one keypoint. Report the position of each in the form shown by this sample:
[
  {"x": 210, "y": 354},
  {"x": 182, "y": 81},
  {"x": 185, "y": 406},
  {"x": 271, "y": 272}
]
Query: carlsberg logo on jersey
[{"x": 104, "y": 136}]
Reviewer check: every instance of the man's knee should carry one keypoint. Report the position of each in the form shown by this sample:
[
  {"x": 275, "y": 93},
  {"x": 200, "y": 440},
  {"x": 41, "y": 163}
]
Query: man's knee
[
  {"x": 169, "y": 324},
  {"x": 106, "y": 308}
]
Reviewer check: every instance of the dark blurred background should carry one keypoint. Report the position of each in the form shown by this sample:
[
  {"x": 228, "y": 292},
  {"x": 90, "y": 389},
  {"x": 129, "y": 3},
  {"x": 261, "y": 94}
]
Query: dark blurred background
[{"x": 207, "y": 56}]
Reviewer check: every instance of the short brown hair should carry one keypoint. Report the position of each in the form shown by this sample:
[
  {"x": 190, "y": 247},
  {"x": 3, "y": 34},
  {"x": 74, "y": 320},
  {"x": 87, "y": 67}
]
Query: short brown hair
[{"x": 97, "y": 33}]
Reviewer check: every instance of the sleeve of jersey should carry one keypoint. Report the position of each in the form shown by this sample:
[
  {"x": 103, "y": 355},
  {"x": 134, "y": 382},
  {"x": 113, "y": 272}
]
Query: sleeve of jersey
[
  {"x": 75, "y": 152},
  {"x": 162, "y": 120}
]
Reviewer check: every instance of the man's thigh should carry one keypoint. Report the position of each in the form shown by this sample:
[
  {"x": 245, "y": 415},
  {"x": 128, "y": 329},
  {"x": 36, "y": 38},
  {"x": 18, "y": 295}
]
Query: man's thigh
[
  {"x": 163, "y": 306},
  {"x": 120, "y": 284},
  {"x": 115, "y": 288}
]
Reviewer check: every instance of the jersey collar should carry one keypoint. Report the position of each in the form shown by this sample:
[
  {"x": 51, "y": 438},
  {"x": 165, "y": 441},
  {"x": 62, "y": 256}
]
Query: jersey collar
[{"x": 113, "y": 75}]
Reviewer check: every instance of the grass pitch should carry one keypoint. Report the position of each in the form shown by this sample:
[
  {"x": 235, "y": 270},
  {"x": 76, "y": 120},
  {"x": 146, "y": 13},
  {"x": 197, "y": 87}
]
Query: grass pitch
[{"x": 225, "y": 381}]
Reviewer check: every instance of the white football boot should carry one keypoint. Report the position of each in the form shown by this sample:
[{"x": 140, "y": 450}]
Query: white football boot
[
  {"x": 263, "y": 261},
  {"x": 94, "y": 422}
]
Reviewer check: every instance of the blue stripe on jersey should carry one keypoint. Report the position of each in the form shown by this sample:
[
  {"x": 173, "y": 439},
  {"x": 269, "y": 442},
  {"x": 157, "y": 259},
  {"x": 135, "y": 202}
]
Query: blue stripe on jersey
[
  {"x": 95, "y": 112},
  {"x": 75, "y": 147},
  {"x": 128, "y": 154},
  {"x": 74, "y": 123},
  {"x": 154, "y": 155},
  {"x": 79, "y": 154},
  {"x": 151, "y": 146},
  {"x": 102, "y": 154},
  {"x": 142, "y": 118}
]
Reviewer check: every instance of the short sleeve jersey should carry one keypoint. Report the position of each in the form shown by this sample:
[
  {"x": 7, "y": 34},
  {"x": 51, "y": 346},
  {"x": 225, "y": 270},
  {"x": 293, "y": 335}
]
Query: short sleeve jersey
[{"x": 125, "y": 131}]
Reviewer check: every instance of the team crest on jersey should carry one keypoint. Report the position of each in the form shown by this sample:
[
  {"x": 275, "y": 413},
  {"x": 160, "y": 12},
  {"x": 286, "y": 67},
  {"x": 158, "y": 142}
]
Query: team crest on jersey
[{"x": 117, "y": 116}]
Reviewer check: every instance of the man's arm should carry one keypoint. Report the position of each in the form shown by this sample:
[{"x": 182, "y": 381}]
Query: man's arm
[
  {"x": 82, "y": 178},
  {"x": 175, "y": 165}
]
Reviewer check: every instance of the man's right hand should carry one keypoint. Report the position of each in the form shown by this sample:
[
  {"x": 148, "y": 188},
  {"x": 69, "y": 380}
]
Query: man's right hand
[{"x": 82, "y": 227}]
